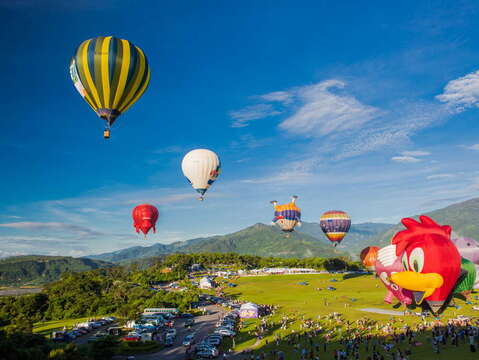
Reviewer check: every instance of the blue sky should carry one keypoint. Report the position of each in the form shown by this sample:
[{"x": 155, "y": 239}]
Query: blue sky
[{"x": 367, "y": 108}]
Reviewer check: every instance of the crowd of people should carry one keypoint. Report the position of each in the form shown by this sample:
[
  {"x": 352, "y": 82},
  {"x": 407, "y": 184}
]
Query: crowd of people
[{"x": 334, "y": 337}]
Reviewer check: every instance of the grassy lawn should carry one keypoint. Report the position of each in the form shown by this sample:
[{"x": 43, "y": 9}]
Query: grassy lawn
[
  {"x": 352, "y": 294},
  {"x": 45, "y": 328}
]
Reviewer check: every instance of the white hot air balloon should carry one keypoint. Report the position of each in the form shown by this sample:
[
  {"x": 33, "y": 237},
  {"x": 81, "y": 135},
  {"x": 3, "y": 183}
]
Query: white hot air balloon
[{"x": 201, "y": 167}]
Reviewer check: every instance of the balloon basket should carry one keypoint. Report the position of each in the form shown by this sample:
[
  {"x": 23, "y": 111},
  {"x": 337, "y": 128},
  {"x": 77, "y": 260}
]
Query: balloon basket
[
  {"x": 201, "y": 198},
  {"x": 106, "y": 134}
]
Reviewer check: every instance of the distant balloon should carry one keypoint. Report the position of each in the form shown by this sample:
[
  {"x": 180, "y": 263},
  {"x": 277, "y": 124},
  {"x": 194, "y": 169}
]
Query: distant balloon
[
  {"x": 368, "y": 257},
  {"x": 144, "y": 218},
  {"x": 335, "y": 224},
  {"x": 111, "y": 74},
  {"x": 287, "y": 216},
  {"x": 201, "y": 167}
]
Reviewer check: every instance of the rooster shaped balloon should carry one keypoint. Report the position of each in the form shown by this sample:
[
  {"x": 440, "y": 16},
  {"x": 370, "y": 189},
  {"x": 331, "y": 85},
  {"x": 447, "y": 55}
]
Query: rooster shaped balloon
[
  {"x": 386, "y": 264},
  {"x": 431, "y": 262}
]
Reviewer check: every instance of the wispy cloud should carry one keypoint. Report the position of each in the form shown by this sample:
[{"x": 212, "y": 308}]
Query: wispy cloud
[
  {"x": 440, "y": 176},
  {"x": 250, "y": 142},
  {"x": 322, "y": 111},
  {"x": 56, "y": 226},
  {"x": 284, "y": 97},
  {"x": 405, "y": 159},
  {"x": 474, "y": 147},
  {"x": 253, "y": 112},
  {"x": 462, "y": 93},
  {"x": 415, "y": 153}
]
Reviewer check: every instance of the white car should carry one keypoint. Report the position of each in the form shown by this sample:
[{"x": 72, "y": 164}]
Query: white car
[
  {"x": 225, "y": 332},
  {"x": 207, "y": 353}
]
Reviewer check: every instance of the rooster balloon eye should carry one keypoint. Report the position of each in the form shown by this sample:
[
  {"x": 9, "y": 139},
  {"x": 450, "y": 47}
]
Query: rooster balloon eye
[
  {"x": 404, "y": 262},
  {"x": 416, "y": 259}
]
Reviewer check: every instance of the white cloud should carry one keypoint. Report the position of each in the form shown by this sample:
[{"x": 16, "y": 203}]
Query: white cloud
[
  {"x": 440, "y": 176},
  {"x": 416, "y": 153},
  {"x": 56, "y": 226},
  {"x": 405, "y": 159},
  {"x": 322, "y": 112},
  {"x": 474, "y": 147},
  {"x": 284, "y": 97},
  {"x": 462, "y": 93},
  {"x": 253, "y": 112}
]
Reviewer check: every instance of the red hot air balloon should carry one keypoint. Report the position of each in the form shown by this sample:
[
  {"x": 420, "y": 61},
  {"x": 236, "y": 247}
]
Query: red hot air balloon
[{"x": 144, "y": 218}]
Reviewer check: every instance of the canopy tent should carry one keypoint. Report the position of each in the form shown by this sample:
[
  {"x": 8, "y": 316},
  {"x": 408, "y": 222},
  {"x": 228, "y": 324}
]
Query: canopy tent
[{"x": 249, "y": 311}]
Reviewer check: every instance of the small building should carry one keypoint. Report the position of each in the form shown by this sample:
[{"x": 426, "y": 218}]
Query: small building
[
  {"x": 196, "y": 267},
  {"x": 206, "y": 283},
  {"x": 249, "y": 311}
]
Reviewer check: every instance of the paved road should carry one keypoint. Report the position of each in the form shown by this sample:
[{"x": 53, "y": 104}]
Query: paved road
[
  {"x": 19, "y": 291},
  {"x": 203, "y": 325}
]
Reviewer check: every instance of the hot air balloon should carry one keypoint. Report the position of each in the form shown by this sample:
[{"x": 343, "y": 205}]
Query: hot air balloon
[
  {"x": 201, "y": 167},
  {"x": 368, "y": 257},
  {"x": 144, "y": 218},
  {"x": 111, "y": 74},
  {"x": 287, "y": 216},
  {"x": 431, "y": 261},
  {"x": 467, "y": 279},
  {"x": 335, "y": 224}
]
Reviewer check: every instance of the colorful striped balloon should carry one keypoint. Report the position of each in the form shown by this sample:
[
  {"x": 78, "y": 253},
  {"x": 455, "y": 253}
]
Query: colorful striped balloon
[
  {"x": 111, "y": 74},
  {"x": 287, "y": 216},
  {"x": 335, "y": 224}
]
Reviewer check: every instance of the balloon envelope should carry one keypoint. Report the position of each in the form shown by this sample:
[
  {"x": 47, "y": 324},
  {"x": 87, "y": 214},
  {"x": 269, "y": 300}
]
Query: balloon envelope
[
  {"x": 201, "y": 167},
  {"x": 468, "y": 280},
  {"x": 387, "y": 263},
  {"x": 368, "y": 257},
  {"x": 111, "y": 74},
  {"x": 144, "y": 218},
  {"x": 286, "y": 216},
  {"x": 335, "y": 224}
]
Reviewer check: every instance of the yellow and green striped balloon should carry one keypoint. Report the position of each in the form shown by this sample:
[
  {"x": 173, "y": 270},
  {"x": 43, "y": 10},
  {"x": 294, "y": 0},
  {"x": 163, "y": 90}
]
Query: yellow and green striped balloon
[{"x": 111, "y": 74}]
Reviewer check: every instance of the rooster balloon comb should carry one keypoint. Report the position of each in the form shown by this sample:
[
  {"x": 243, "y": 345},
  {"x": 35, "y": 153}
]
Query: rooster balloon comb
[{"x": 431, "y": 262}]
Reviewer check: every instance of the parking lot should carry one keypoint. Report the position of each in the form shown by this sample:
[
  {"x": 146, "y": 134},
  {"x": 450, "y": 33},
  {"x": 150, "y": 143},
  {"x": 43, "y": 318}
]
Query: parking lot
[{"x": 204, "y": 325}]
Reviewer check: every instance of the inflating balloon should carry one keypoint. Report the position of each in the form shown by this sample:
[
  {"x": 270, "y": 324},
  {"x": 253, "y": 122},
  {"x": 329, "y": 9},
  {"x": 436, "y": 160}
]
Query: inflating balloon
[
  {"x": 368, "y": 257},
  {"x": 335, "y": 224},
  {"x": 431, "y": 262},
  {"x": 388, "y": 263},
  {"x": 111, "y": 74},
  {"x": 201, "y": 167},
  {"x": 287, "y": 216},
  {"x": 469, "y": 249},
  {"x": 467, "y": 279},
  {"x": 144, "y": 218}
]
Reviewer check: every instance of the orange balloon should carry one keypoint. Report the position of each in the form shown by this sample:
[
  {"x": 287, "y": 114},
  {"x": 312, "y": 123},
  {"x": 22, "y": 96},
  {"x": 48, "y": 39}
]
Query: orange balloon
[{"x": 368, "y": 257}]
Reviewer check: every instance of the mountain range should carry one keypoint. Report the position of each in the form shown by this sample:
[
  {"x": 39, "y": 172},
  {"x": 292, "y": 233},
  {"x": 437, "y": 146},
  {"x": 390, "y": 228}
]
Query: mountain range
[{"x": 308, "y": 240}]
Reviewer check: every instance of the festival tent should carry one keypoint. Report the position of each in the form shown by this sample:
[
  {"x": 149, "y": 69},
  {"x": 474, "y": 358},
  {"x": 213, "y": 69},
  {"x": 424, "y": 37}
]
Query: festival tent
[{"x": 248, "y": 311}]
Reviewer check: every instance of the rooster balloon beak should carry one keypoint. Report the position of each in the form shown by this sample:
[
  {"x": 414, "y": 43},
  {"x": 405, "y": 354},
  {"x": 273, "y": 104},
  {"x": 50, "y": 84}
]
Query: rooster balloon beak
[{"x": 422, "y": 285}]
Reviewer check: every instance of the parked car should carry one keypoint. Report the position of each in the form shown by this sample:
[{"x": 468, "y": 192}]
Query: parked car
[
  {"x": 169, "y": 341},
  {"x": 186, "y": 315},
  {"x": 189, "y": 322},
  {"x": 207, "y": 353},
  {"x": 225, "y": 332},
  {"x": 188, "y": 340},
  {"x": 171, "y": 332}
]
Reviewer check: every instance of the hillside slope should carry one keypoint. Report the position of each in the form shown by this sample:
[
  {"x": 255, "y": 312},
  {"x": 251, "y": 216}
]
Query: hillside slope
[{"x": 37, "y": 270}]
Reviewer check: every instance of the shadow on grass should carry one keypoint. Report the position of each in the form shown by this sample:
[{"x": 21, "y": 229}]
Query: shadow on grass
[
  {"x": 353, "y": 276},
  {"x": 420, "y": 347}
]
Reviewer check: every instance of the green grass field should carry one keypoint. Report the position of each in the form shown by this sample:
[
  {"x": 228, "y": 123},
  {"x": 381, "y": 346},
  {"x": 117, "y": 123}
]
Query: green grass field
[
  {"x": 309, "y": 301},
  {"x": 45, "y": 328}
]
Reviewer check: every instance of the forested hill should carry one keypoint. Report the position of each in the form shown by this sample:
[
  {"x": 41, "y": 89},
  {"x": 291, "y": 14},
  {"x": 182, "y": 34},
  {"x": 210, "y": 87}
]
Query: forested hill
[{"x": 37, "y": 270}]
